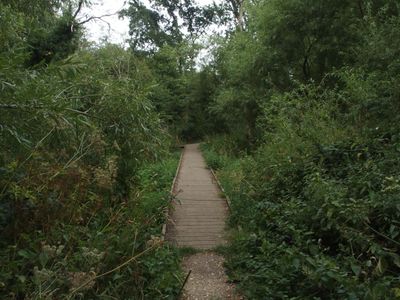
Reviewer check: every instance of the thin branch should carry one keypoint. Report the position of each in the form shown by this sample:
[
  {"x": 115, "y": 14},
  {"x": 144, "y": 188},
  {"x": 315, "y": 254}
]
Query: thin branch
[
  {"x": 38, "y": 144},
  {"x": 84, "y": 113},
  {"x": 184, "y": 283},
  {"x": 96, "y": 18},
  {"x": 78, "y": 9},
  {"x": 15, "y": 106},
  {"x": 115, "y": 269},
  {"x": 382, "y": 235},
  {"x": 360, "y": 7}
]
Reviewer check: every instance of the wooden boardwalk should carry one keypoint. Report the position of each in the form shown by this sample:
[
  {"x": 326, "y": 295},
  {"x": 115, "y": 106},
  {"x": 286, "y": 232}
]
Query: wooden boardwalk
[{"x": 198, "y": 217}]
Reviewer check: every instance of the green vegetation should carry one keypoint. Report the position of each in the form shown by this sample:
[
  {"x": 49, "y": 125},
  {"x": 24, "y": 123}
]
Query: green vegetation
[
  {"x": 85, "y": 166},
  {"x": 299, "y": 103},
  {"x": 309, "y": 95}
]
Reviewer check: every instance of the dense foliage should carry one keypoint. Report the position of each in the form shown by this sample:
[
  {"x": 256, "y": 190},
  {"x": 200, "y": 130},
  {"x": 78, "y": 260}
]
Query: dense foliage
[
  {"x": 85, "y": 167},
  {"x": 309, "y": 95},
  {"x": 301, "y": 103}
]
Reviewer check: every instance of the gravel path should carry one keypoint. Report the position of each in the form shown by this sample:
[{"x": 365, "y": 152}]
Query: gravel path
[{"x": 207, "y": 278}]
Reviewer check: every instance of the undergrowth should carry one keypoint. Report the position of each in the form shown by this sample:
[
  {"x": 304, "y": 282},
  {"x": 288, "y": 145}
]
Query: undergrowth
[
  {"x": 85, "y": 166},
  {"x": 315, "y": 207},
  {"x": 85, "y": 257}
]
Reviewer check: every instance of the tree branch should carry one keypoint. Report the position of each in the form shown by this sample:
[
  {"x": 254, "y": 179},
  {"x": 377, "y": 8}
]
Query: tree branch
[
  {"x": 97, "y": 18},
  {"x": 80, "y": 4}
]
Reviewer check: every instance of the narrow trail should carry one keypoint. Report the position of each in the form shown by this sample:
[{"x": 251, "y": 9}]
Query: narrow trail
[{"x": 198, "y": 221}]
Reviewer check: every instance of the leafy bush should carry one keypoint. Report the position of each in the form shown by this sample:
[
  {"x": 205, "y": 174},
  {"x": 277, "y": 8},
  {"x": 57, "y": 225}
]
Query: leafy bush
[
  {"x": 316, "y": 205},
  {"x": 85, "y": 173},
  {"x": 315, "y": 198}
]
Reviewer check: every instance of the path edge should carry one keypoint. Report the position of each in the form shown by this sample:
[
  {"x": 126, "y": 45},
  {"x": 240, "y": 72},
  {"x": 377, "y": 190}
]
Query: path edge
[
  {"x": 226, "y": 197},
  {"x": 171, "y": 195}
]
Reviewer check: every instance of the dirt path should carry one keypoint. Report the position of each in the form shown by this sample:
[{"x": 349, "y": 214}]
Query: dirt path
[{"x": 198, "y": 221}]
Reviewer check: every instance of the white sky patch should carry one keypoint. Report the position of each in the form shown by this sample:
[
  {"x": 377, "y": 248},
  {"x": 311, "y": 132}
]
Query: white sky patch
[{"x": 112, "y": 28}]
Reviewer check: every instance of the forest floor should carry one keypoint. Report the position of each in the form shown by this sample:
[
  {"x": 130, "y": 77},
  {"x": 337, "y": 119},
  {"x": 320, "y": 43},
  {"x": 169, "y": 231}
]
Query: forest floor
[{"x": 198, "y": 221}]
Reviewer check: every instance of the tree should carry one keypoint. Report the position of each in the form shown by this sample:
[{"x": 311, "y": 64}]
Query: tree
[
  {"x": 237, "y": 7},
  {"x": 167, "y": 22}
]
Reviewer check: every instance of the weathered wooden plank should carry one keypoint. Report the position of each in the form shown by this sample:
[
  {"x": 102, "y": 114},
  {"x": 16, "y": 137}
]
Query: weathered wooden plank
[{"x": 199, "y": 214}]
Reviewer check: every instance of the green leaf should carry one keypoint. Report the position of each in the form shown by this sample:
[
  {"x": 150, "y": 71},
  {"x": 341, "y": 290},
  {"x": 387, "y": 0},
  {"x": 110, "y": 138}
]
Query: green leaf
[
  {"x": 21, "y": 278},
  {"x": 356, "y": 269},
  {"x": 25, "y": 254}
]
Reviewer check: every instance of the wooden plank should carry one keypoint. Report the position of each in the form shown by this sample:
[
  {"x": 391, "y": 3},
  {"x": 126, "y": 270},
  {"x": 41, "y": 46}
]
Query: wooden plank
[{"x": 199, "y": 214}]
